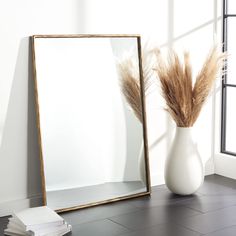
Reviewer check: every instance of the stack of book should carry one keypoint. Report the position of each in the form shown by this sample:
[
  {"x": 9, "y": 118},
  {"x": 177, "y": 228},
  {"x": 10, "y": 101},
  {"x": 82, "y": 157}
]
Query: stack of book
[{"x": 37, "y": 221}]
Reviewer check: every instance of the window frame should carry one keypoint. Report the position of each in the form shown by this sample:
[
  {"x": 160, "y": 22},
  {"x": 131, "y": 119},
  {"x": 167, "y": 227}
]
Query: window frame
[{"x": 225, "y": 85}]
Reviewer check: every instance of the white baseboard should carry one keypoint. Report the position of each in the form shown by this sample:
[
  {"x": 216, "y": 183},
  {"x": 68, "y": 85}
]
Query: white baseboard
[
  {"x": 157, "y": 179},
  {"x": 209, "y": 167},
  {"x": 7, "y": 208},
  {"x": 225, "y": 165}
]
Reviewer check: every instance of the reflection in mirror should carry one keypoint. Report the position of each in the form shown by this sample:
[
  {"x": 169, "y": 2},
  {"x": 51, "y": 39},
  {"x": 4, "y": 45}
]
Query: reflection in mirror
[{"x": 93, "y": 146}]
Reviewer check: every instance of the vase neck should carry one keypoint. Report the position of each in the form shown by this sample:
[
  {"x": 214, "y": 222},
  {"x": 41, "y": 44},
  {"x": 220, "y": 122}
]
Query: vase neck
[
  {"x": 184, "y": 129},
  {"x": 184, "y": 133}
]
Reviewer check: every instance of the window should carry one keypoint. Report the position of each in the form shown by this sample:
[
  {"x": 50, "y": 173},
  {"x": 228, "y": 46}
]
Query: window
[{"x": 228, "y": 121}]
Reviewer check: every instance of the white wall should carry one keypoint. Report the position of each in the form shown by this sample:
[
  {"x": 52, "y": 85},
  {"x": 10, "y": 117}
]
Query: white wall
[
  {"x": 188, "y": 24},
  {"x": 19, "y": 164}
]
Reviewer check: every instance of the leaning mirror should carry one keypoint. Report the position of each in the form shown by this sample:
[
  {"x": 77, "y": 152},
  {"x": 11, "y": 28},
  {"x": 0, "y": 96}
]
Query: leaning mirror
[{"x": 93, "y": 144}]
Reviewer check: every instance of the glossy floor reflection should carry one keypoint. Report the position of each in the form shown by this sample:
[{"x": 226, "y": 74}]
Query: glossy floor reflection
[{"x": 211, "y": 212}]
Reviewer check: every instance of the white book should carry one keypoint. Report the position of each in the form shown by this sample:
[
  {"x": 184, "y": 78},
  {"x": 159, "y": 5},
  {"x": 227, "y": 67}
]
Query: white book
[
  {"x": 13, "y": 232},
  {"x": 37, "y": 218},
  {"x": 57, "y": 230},
  {"x": 15, "y": 228}
]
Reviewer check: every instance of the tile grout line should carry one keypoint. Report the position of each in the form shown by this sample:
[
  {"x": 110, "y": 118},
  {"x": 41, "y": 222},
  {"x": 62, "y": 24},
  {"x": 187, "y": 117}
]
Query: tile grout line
[
  {"x": 227, "y": 227},
  {"x": 131, "y": 230}
]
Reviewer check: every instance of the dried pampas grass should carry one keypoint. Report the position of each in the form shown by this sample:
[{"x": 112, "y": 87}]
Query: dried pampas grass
[
  {"x": 130, "y": 86},
  {"x": 130, "y": 81},
  {"x": 185, "y": 101}
]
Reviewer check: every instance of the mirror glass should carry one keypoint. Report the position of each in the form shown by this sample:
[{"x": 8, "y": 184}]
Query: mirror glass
[{"x": 92, "y": 143}]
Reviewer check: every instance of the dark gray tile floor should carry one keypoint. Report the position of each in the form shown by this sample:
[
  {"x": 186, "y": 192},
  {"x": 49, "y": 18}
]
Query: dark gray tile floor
[{"x": 210, "y": 212}]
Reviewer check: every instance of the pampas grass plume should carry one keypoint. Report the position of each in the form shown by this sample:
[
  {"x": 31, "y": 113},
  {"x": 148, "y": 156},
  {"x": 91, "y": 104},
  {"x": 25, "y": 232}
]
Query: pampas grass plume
[{"x": 183, "y": 99}]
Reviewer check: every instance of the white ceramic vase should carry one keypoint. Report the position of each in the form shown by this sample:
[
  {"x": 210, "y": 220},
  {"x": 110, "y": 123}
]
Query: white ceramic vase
[{"x": 184, "y": 172}]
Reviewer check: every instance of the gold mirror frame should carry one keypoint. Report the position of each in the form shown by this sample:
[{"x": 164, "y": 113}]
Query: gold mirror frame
[{"x": 147, "y": 169}]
